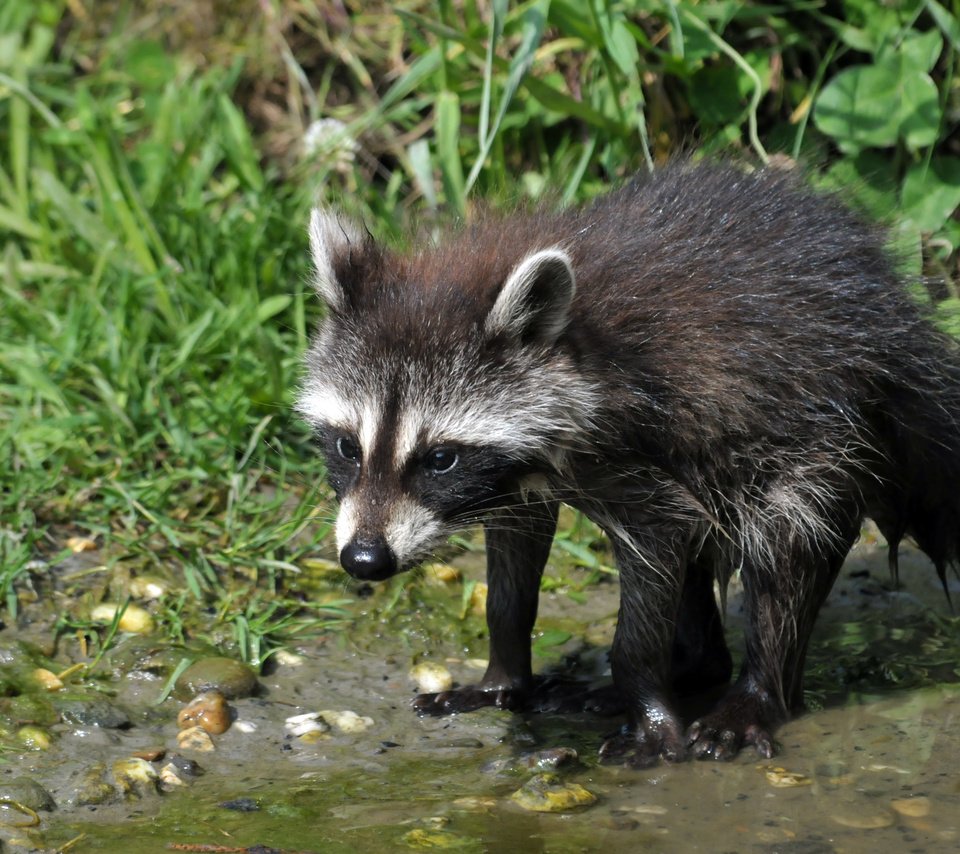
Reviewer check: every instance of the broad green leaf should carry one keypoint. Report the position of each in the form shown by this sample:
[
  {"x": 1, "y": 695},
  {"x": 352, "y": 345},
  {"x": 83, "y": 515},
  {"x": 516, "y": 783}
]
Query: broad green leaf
[
  {"x": 931, "y": 193},
  {"x": 874, "y": 105}
]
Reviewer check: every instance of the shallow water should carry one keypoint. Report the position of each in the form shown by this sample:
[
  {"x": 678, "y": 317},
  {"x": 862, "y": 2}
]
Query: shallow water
[{"x": 876, "y": 769}]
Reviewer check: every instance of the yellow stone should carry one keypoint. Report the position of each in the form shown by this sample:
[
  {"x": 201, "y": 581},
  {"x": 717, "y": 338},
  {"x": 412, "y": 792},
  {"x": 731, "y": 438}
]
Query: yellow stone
[{"x": 913, "y": 807}]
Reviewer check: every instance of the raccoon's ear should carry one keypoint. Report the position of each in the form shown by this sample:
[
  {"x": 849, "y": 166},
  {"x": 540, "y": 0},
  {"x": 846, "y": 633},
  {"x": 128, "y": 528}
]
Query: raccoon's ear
[
  {"x": 534, "y": 302},
  {"x": 332, "y": 237}
]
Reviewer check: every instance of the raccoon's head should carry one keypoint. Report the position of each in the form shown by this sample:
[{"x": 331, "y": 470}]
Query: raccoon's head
[{"x": 438, "y": 387}]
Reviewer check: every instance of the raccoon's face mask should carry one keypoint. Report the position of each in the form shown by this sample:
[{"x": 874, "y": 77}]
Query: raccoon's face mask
[{"x": 433, "y": 402}]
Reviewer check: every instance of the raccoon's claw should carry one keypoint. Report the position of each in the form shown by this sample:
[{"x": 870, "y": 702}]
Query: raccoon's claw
[
  {"x": 643, "y": 747},
  {"x": 723, "y": 733},
  {"x": 466, "y": 699}
]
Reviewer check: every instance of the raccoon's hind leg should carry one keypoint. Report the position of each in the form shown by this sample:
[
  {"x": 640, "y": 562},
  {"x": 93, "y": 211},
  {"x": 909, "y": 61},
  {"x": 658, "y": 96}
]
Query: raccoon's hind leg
[
  {"x": 518, "y": 543},
  {"x": 782, "y": 602}
]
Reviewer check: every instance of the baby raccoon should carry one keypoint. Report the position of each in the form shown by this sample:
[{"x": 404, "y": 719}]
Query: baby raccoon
[{"x": 723, "y": 370}]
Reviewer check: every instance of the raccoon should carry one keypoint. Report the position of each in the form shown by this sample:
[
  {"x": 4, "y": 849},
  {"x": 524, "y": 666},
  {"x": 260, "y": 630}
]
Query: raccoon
[{"x": 724, "y": 370}]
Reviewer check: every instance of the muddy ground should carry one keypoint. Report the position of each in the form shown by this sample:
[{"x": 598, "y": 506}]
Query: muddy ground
[{"x": 875, "y": 768}]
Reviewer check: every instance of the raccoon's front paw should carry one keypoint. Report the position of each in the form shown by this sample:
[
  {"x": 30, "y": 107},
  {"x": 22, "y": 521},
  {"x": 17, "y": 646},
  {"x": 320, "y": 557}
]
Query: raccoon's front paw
[
  {"x": 467, "y": 699},
  {"x": 741, "y": 720},
  {"x": 644, "y": 746}
]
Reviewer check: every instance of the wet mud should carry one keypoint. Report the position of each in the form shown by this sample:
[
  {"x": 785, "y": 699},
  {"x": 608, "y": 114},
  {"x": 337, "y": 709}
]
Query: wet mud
[{"x": 872, "y": 766}]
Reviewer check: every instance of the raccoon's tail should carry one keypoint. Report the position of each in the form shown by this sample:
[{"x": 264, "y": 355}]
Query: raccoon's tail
[{"x": 921, "y": 496}]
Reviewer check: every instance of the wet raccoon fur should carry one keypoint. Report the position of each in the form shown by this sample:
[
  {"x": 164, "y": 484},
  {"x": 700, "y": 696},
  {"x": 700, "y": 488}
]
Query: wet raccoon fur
[{"x": 723, "y": 370}]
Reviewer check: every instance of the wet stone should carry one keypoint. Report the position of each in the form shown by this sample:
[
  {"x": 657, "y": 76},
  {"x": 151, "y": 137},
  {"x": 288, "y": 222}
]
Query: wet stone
[
  {"x": 548, "y": 793},
  {"x": 240, "y": 805},
  {"x": 917, "y": 807},
  {"x": 781, "y": 778},
  {"x": 92, "y": 712},
  {"x": 195, "y": 738},
  {"x": 28, "y": 792},
  {"x": 135, "y": 777},
  {"x": 209, "y": 711},
  {"x": 93, "y": 787},
  {"x": 863, "y": 818},
  {"x": 431, "y": 678},
  {"x": 233, "y": 679}
]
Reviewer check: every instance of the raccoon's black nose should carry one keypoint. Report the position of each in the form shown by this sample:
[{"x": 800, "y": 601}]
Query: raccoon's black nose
[{"x": 368, "y": 559}]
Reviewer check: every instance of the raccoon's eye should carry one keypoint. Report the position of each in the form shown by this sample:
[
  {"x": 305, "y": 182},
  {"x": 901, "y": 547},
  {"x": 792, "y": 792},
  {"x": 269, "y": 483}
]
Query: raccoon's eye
[
  {"x": 439, "y": 460},
  {"x": 348, "y": 449}
]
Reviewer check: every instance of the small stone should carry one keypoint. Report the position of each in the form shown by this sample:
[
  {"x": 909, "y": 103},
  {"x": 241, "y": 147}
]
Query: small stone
[
  {"x": 134, "y": 618},
  {"x": 135, "y": 777},
  {"x": 431, "y": 678},
  {"x": 92, "y": 712},
  {"x": 240, "y": 805},
  {"x": 150, "y": 754},
  {"x": 285, "y": 658},
  {"x": 31, "y": 794},
  {"x": 148, "y": 587},
  {"x": 916, "y": 807},
  {"x": 862, "y": 818},
  {"x": 547, "y": 793},
  {"x": 34, "y": 737},
  {"x": 170, "y": 778},
  {"x": 310, "y": 722},
  {"x": 81, "y": 544},
  {"x": 47, "y": 680},
  {"x": 232, "y": 678},
  {"x": 441, "y": 573},
  {"x": 208, "y": 710},
  {"x": 245, "y": 727},
  {"x": 93, "y": 788},
  {"x": 195, "y": 738},
  {"x": 185, "y": 767},
  {"x": 478, "y": 599},
  {"x": 347, "y": 721},
  {"x": 781, "y": 778}
]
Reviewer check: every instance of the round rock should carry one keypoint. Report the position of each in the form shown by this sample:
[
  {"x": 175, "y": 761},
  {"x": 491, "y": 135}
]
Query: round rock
[{"x": 231, "y": 678}]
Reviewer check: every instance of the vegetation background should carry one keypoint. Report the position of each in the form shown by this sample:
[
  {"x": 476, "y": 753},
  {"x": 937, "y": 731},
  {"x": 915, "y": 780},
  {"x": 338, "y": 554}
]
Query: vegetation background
[{"x": 157, "y": 160}]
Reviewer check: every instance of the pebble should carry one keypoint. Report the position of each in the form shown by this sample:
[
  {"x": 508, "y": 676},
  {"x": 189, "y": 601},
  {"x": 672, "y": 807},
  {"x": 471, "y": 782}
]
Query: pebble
[
  {"x": 299, "y": 725},
  {"x": 548, "y": 793},
  {"x": 195, "y": 738},
  {"x": 245, "y": 727},
  {"x": 135, "y": 777},
  {"x": 441, "y": 572},
  {"x": 916, "y": 807},
  {"x": 47, "y": 680},
  {"x": 858, "y": 817},
  {"x": 232, "y": 678},
  {"x": 93, "y": 788},
  {"x": 347, "y": 721},
  {"x": 431, "y": 678},
  {"x": 148, "y": 587},
  {"x": 28, "y": 792},
  {"x": 134, "y": 619},
  {"x": 34, "y": 737},
  {"x": 781, "y": 778},
  {"x": 478, "y": 599},
  {"x": 150, "y": 754},
  {"x": 170, "y": 777},
  {"x": 208, "y": 710},
  {"x": 93, "y": 712},
  {"x": 81, "y": 544}
]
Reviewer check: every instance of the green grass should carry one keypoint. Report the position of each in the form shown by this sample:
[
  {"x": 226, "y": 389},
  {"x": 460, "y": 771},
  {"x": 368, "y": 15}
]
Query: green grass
[{"x": 154, "y": 296}]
